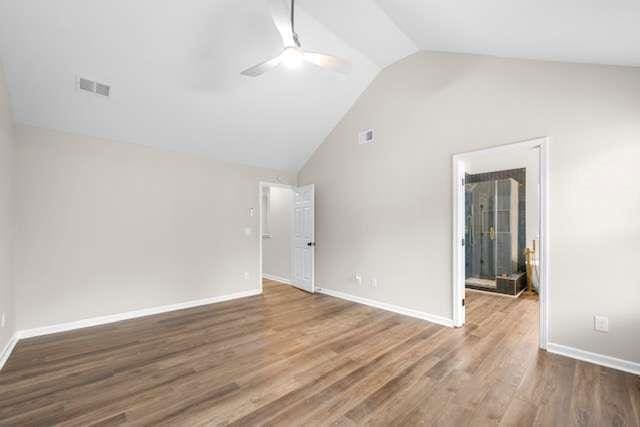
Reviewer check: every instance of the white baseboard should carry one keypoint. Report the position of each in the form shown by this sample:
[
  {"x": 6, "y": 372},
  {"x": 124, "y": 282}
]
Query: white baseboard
[
  {"x": 586, "y": 356},
  {"x": 389, "y": 307},
  {"x": 102, "y": 320},
  {"x": 595, "y": 358},
  {"x": 6, "y": 352},
  {"x": 276, "y": 278}
]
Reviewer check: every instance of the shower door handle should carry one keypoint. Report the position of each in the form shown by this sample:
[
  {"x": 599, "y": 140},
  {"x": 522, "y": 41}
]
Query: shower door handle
[{"x": 492, "y": 233}]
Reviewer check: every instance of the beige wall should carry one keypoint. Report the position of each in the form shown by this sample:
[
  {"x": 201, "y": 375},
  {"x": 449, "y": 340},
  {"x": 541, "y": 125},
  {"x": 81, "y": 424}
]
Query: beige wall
[
  {"x": 105, "y": 227},
  {"x": 276, "y": 249},
  {"x": 385, "y": 209},
  {"x": 6, "y": 223}
]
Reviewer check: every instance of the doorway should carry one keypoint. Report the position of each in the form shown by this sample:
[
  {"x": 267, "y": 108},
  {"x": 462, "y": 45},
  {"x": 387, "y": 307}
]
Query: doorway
[
  {"x": 500, "y": 226},
  {"x": 287, "y": 235}
]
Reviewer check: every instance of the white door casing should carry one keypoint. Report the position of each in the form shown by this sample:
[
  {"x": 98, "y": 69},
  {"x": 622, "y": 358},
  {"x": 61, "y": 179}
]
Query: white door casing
[
  {"x": 459, "y": 160},
  {"x": 303, "y": 239},
  {"x": 458, "y": 239}
]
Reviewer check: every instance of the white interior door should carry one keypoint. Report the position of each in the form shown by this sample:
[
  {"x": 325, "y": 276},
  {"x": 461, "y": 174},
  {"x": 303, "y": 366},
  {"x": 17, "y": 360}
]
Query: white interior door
[{"x": 303, "y": 245}]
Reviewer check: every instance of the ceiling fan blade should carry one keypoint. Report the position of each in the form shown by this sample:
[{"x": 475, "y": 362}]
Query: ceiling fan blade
[
  {"x": 262, "y": 68},
  {"x": 328, "y": 62},
  {"x": 281, "y": 14}
]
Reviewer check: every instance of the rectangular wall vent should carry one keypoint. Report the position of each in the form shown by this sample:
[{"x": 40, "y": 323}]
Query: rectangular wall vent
[
  {"x": 366, "y": 137},
  {"x": 94, "y": 87},
  {"x": 102, "y": 89},
  {"x": 87, "y": 85}
]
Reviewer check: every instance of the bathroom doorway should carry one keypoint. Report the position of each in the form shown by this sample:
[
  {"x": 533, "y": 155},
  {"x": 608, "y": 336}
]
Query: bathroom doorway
[{"x": 500, "y": 227}]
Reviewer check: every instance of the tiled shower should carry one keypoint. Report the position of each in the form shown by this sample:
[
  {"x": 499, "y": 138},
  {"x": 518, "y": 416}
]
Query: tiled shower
[{"x": 495, "y": 231}]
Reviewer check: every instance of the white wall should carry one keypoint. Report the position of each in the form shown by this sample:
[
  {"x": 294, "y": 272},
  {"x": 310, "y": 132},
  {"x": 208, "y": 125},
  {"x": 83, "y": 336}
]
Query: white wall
[
  {"x": 106, "y": 227},
  {"x": 6, "y": 217},
  {"x": 385, "y": 209},
  {"x": 276, "y": 249}
]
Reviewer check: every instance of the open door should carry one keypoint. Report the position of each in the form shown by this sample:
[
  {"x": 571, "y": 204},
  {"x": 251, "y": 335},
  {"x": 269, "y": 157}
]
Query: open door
[{"x": 303, "y": 244}]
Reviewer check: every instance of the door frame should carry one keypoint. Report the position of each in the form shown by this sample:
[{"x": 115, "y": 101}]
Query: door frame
[
  {"x": 261, "y": 186},
  {"x": 458, "y": 212}
]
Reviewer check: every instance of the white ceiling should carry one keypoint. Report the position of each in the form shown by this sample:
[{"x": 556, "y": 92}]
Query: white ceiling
[
  {"x": 174, "y": 65},
  {"x": 592, "y": 31},
  {"x": 174, "y": 69},
  {"x": 364, "y": 26}
]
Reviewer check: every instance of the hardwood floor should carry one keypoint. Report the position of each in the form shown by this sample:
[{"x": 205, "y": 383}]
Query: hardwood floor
[{"x": 290, "y": 358}]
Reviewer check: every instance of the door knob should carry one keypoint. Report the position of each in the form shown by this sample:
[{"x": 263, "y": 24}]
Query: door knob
[{"x": 311, "y": 244}]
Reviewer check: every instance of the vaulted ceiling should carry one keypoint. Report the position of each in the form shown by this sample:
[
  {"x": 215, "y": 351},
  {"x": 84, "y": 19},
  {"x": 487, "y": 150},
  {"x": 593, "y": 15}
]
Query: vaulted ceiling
[
  {"x": 590, "y": 31},
  {"x": 174, "y": 66}
]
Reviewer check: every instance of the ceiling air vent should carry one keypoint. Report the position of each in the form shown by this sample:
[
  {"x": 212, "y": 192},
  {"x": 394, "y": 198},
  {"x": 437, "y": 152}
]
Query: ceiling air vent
[
  {"x": 94, "y": 87},
  {"x": 366, "y": 137}
]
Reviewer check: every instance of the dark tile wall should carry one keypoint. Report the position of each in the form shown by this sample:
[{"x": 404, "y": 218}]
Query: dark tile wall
[{"x": 520, "y": 175}]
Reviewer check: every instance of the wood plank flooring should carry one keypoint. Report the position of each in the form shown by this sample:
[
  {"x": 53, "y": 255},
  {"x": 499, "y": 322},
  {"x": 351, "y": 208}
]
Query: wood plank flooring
[{"x": 290, "y": 358}]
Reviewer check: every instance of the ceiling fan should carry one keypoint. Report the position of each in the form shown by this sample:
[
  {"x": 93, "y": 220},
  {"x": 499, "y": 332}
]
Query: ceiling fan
[{"x": 292, "y": 56}]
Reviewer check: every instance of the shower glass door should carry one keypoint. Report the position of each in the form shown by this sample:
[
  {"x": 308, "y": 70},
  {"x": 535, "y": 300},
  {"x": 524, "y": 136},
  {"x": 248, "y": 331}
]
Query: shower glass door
[{"x": 483, "y": 229}]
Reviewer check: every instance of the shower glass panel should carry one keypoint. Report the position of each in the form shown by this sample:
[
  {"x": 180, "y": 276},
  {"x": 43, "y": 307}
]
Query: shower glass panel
[
  {"x": 481, "y": 235},
  {"x": 491, "y": 228}
]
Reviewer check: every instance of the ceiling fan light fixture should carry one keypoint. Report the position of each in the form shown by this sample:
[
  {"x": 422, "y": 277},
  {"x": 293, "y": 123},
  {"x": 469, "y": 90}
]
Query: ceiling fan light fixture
[{"x": 292, "y": 57}]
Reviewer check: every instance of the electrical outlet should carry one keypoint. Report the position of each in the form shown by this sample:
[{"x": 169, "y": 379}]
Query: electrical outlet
[
  {"x": 358, "y": 278},
  {"x": 246, "y": 275},
  {"x": 374, "y": 282},
  {"x": 601, "y": 323},
  {"x": 3, "y": 321}
]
